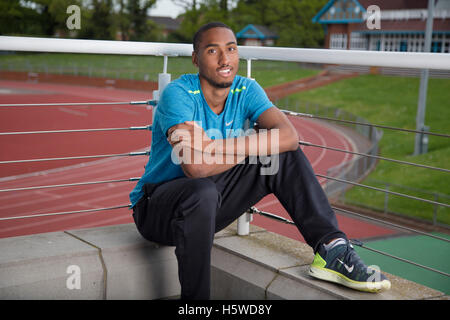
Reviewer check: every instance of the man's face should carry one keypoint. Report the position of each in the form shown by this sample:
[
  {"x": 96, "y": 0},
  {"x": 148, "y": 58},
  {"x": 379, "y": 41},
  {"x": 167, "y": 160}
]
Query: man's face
[{"x": 217, "y": 57}]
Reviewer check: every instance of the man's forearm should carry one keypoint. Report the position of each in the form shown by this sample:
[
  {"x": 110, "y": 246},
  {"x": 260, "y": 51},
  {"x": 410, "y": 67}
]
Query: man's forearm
[
  {"x": 222, "y": 154},
  {"x": 265, "y": 142}
]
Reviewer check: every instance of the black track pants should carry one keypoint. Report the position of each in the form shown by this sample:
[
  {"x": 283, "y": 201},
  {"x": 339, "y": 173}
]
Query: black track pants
[{"x": 186, "y": 212}]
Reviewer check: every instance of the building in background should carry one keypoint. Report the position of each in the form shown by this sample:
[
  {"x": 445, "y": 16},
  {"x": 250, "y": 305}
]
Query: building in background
[
  {"x": 402, "y": 25},
  {"x": 256, "y": 35},
  {"x": 167, "y": 24}
]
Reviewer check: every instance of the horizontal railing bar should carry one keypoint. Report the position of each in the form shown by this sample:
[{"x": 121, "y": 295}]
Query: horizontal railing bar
[
  {"x": 305, "y": 143},
  {"x": 360, "y": 244},
  {"x": 149, "y": 127},
  {"x": 63, "y": 213},
  {"x": 272, "y": 216},
  {"x": 143, "y": 153},
  {"x": 413, "y": 60},
  {"x": 389, "y": 224},
  {"x": 385, "y": 191},
  {"x": 354, "y": 241},
  {"x": 66, "y": 104},
  {"x": 307, "y": 115},
  {"x": 69, "y": 185},
  {"x": 254, "y": 210}
]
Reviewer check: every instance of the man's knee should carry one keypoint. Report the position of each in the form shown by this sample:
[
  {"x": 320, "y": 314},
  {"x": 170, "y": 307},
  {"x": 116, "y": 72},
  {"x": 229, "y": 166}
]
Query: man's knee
[
  {"x": 203, "y": 194},
  {"x": 270, "y": 165}
]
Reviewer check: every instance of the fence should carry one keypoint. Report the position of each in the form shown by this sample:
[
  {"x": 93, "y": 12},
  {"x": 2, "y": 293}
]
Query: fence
[
  {"x": 388, "y": 205},
  {"x": 359, "y": 166},
  {"x": 349, "y": 57}
]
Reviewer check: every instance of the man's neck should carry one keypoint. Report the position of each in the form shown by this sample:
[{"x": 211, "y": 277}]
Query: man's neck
[{"x": 215, "y": 97}]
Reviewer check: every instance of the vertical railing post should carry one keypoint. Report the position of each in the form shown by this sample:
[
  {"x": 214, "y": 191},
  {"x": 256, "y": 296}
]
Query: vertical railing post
[
  {"x": 163, "y": 80},
  {"x": 249, "y": 69},
  {"x": 243, "y": 222},
  {"x": 386, "y": 199},
  {"x": 436, "y": 208}
]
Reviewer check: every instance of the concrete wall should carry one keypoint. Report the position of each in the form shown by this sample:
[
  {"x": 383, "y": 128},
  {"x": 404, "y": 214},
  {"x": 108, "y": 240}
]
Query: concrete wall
[{"x": 115, "y": 262}]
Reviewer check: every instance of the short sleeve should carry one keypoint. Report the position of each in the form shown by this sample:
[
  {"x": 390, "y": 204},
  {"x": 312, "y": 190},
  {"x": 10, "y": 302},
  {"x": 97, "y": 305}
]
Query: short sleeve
[
  {"x": 257, "y": 102},
  {"x": 174, "y": 107}
]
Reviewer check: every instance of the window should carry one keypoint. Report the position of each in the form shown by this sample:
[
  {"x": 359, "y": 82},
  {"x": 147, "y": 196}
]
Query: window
[
  {"x": 358, "y": 41},
  {"x": 338, "y": 41}
]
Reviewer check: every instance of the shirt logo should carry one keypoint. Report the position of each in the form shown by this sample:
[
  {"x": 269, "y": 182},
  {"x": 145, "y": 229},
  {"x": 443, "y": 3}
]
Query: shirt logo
[
  {"x": 349, "y": 269},
  {"x": 238, "y": 90},
  {"x": 228, "y": 123}
]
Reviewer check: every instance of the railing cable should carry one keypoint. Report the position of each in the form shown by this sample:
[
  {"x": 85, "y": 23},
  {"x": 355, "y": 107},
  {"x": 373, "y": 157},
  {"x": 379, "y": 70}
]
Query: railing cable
[
  {"x": 307, "y": 115},
  {"x": 360, "y": 244},
  {"x": 305, "y": 143},
  {"x": 67, "y": 104},
  {"x": 143, "y": 153},
  {"x": 269, "y": 215},
  {"x": 149, "y": 127},
  {"x": 356, "y": 242},
  {"x": 254, "y": 210},
  {"x": 63, "y": 213},
  {"x": 352, "y": 213},
  {"x": 69, "y": 185},
  {"x": 384, "y": 191}
]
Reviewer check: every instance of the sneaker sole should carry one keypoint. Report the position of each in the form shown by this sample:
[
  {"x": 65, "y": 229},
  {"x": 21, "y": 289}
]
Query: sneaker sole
[{"x": 332, "y": 276}]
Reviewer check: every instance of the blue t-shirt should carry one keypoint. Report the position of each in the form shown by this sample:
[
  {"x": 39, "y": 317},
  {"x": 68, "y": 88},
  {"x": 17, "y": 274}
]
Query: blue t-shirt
[{"x": 182, "y": 100}]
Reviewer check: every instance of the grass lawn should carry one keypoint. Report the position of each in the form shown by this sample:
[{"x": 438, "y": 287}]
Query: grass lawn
[
  {"x": 267, "y": 73},
  {"x": 392, "y": 101}
]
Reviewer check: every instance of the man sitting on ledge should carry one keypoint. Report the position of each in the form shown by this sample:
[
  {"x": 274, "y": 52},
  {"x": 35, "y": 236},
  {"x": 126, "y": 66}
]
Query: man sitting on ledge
[{"x": 204, "y": 172}]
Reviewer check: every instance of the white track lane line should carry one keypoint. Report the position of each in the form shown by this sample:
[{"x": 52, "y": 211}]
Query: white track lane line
[
  {"x": 337, "y": 135},
  {"x": 112, "y": 221}
]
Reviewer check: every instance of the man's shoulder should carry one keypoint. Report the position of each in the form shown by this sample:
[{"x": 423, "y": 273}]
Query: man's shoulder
[
  {"x": 187, "y": 83},
  {"x": 243, "y": 83}
]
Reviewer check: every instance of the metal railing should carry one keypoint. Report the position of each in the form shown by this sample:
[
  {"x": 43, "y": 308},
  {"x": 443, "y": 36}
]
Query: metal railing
[{"x": 346, "y": 57}]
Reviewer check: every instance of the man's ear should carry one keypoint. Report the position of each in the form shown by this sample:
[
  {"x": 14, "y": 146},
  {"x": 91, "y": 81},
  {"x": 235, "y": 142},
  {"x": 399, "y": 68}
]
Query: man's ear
[{"x": 194, "y": 58}]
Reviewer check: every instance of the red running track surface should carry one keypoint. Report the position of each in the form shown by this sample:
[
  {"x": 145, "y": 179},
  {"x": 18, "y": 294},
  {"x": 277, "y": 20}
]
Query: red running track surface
[{"x": 21, "y": 203}]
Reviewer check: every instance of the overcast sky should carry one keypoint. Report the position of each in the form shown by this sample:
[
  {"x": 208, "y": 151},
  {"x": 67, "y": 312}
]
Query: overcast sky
[{"x": 166, "y": 8}]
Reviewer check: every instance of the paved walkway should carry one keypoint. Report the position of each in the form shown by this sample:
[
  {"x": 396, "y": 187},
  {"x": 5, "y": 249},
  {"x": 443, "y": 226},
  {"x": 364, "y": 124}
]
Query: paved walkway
[{"x": 323, "y": 78}]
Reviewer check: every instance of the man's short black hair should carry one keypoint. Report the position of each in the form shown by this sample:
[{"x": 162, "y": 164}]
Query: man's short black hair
[{"x": 206, "y": 27}]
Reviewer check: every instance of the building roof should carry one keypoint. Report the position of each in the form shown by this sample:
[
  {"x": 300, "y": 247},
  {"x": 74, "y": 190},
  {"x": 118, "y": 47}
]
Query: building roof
[
  {"x": 168, "y": 22},
  {"x": 339, "y": 11},
  {"x": 407, "y": 14},
  {"x": 395, "y": 4},
  {"x": 256, "y": 31}
]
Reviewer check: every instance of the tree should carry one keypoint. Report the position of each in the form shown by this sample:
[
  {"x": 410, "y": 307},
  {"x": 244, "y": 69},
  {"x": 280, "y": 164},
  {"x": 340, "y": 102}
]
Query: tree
[
  {"x": 141, "y": 28},
  {"x": 25, "y": 18},
  {"x": 293, "y": 22},
  {"x": 290, "y": 19},
  {"x": 200, "y": 12},
  {"x": 97, "y": 22}
]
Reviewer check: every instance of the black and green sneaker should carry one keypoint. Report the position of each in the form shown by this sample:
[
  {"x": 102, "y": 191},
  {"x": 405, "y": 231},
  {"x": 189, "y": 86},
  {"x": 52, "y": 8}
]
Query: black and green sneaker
[{"x": 341, "y": 264}]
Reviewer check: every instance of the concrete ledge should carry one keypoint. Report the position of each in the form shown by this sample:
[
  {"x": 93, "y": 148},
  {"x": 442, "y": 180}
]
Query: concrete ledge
[{"x": 115, "y": 262}]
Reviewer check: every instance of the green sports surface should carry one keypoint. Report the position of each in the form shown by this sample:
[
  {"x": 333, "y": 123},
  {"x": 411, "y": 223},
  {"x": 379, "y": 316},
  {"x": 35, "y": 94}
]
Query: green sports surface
[{"x": 424, "y": 250}]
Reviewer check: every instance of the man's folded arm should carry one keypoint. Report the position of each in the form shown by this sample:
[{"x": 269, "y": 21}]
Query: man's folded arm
[{"x": 208, "y": 157}]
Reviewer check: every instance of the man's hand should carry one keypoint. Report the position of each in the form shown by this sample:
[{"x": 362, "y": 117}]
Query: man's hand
[{"x": 188, "y": 134}]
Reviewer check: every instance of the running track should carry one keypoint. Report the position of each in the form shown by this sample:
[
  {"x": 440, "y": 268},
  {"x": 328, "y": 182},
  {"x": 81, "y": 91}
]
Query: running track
[{"x": 20, "y": 203}]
